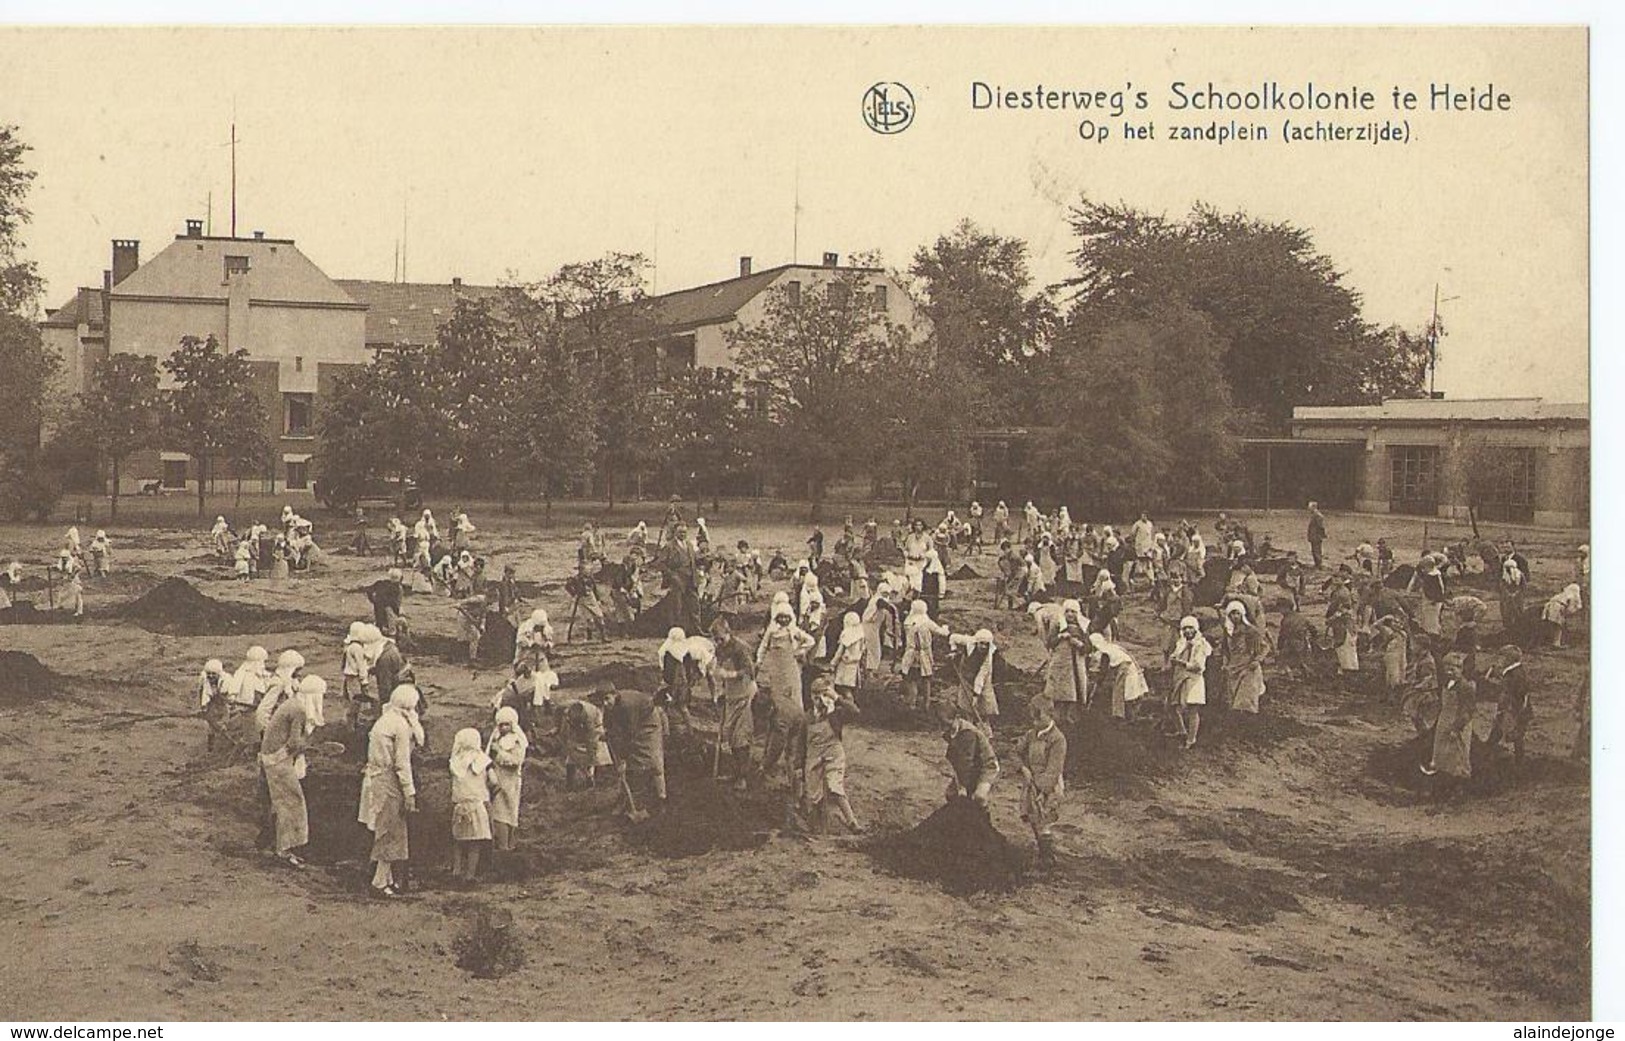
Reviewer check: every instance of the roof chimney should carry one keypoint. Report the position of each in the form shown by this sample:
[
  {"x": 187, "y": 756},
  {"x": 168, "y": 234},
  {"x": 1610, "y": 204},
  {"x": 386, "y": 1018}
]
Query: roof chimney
[
  {"x": 832, "y": 260},
  {"x": 456, "y": 282},
  {"x": 194, "y": 229},
  {"x": 259, "y": 234},
  {"x": 744, "y": 267},
  {"x": 126, "y": 258}
]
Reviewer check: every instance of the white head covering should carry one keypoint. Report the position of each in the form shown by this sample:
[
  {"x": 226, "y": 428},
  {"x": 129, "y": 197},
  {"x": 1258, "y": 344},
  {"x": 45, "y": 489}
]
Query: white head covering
[
  {"x": 358, "y": 630},
  {"x": 257, "y": 654},
  {"x": 851, "y": 629},
  {"x": 289, "y": 662},
  {"x": 1236, "y": 607},
  {"x": 15, "y": 570},
  {"x": 918, "y": 613},
  {"x": 1072, "y": 607},
  {"x": 467, "y": 755},
  {"x": 673, "y": 645},
  {"x": 214, "y": 667},
  {"x": 312, "y": 691}
]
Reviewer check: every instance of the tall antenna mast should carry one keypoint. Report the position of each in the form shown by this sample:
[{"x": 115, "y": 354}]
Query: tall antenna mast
[
  {"x": 403, "y": 236},
  {"x": 234, "y": 166},
  {"x": 1433, "y": 340},
  {"x": 208, "y": 215}
]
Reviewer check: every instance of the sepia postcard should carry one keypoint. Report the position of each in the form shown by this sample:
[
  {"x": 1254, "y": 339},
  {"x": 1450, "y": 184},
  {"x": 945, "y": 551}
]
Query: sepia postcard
[{"x": 795, "y": 523}]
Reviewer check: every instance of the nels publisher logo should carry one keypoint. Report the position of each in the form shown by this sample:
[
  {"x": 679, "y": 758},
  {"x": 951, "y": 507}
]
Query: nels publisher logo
[{"x": 888, "y": 108}]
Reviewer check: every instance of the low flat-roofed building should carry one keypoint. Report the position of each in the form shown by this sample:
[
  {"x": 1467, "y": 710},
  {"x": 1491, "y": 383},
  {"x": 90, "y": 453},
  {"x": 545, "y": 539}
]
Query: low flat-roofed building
[{"x": 1515, "y": 460}]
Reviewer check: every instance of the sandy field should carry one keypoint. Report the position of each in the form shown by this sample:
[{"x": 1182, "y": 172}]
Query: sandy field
[{"x": 1293, "y": 866}]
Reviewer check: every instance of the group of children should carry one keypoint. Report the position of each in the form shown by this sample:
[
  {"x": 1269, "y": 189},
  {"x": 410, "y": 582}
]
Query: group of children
[
  {"x": 810, "y": 662},
  {"x": 74, "y": 560},
  {"x": 259, "y": 551}
]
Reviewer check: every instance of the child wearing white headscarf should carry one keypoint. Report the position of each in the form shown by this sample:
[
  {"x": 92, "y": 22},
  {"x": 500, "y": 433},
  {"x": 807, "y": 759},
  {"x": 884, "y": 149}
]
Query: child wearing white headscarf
[
  {"x": 1189, "y": 662},
  {"x": 849, "y": 654},
  {"x": 355, "y": 662},
  {"x": 213, "y": 701},
  {"x": 918, "y": 663},
  {"x": 976, "y": 675},
  {"x": 1128, "y": 679},
  {"x": 248, "y": 683},
  {"x": 101, "y": 555},
  {"x": 470, "y": 803},
  {"x": 388, "y": 789},
  {"x": 506, "y": 748},
  {"x": 280, "y": 686},
  {"x": 1559, "y": 609}
]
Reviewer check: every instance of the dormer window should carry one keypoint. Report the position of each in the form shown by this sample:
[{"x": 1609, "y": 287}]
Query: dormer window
[{"x": 236, "y": 266}]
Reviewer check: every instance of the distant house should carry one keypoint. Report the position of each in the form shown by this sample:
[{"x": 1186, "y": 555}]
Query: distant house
[
  {"x": 689, "y": 328},
  {"x": 300, "y": 328},
  {"x": 410, "y": 313},
  {"x": 1418, "y": 456}
]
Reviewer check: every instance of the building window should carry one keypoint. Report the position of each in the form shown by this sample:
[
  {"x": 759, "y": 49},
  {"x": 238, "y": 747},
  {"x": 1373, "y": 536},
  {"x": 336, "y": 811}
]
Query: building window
[
  {"x": 1415, "y": 470},
  {"x": 1503, "y": 486},
  {"x": 880, "y": 298},
  {"x": 298, "y": 363},
  {"x": 793, "y": 287},
  {"x": 298, "y": 415},
  {"x": 174, "y": 473},
  {"x": 236, "y": 266},
  {"x": 840, "y": 294},
  {"x": 298, "y": 476},
  {"x": 677, "y": 355}
]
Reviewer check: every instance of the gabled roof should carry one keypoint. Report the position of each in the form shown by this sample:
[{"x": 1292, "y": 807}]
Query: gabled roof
[
  {"x": 1438, "y": 410},
  {"x": 86, "y": 307},
  {"x": 409, "y": 312},
  {"x": 193, "y": 268},
  {"x": 719, "y": 301}
]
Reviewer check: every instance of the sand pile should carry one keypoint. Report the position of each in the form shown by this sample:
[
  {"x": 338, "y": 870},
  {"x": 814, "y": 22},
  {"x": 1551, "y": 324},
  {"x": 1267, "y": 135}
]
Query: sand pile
[
  {"x": 965, "y": 572},
  {"x": 23, "y": 679},
  {"x": 175, "y": 607},
  {"x": 957, "y": 847}
]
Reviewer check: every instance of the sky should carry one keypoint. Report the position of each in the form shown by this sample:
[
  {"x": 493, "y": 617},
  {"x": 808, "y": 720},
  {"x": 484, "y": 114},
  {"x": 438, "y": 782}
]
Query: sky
[{"x": 500, "y": 153}]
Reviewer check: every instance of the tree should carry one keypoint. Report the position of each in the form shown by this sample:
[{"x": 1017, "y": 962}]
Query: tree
[
  {"x": 377, "y": 422},
  {"x": 809, "y": 362},
  {"x": 120, "y": 411},
  {"x": 28, "y": 482},
  {"x": 558, "y": 417},
  {"x": 985, "y": 320},
  {"x": 19, "y": 281},
  {"x": 481, "y": 373},
  {"x": 1138, "y": 415},
  {"x": 1293, "y": 331},
  {"x": 701, "y": 420},
  {"x": 924, "y": 405},
  {"x": 595, "y": 309},
  {"x": 212, "y": 411}
]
